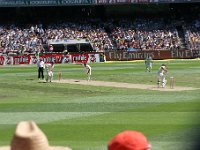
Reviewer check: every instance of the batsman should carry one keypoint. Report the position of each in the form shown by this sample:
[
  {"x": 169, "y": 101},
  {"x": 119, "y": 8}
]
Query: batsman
[
  {"x": 161, "y": 81},
  {"x": 49, "y": 69}
]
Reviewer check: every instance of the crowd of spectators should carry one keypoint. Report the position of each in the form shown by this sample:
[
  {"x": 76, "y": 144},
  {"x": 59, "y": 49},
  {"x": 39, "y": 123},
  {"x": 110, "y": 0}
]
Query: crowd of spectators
[
  {"x": 31, "y": 38},
  {"x": 122, "y": 34},
  {"x": 192, "y": 35},
  {"x": 145, "y": 34}
]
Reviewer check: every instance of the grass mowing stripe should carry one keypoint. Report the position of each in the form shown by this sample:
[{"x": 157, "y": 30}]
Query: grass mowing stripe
[
  {"x": 96, "y": 132},
  {"x": 149, "y": 97},
  {"x": 93, "y": 132},
  {"x": 101, "y": 107},
  {"x": 70, "y": 107},
  {"x": 138, "y": 118},
  {"x": 42, "y": 117},
  {"x": 101, "y": 118}
]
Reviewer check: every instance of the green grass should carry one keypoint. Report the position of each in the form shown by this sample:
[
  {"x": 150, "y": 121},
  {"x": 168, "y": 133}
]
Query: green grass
[{"x": 85, "y": 117}]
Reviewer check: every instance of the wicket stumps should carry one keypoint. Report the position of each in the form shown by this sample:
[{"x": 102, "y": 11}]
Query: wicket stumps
[{"x": 171, "y": 82}]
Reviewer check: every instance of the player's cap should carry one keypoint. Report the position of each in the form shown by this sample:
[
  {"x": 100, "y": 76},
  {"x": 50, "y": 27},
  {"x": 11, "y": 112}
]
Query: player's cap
[
  {"x": 129, "y": 140},
  {"x": 28, "y": 136}
]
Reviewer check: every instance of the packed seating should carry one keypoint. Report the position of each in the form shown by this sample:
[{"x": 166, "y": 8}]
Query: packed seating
[
  {"x": 192, "y": 35},
  {"x": 145, "y": 34},
  {"x": 121, "y": 34}
]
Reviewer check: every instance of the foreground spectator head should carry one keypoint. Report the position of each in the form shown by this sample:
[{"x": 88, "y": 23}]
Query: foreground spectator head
[
  {"x": 129, "y": 140},
  {"x": 29, "y": 137}
]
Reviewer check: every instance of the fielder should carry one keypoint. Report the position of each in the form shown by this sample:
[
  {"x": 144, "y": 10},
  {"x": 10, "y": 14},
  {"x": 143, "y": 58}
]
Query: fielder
[
  {"x": 161, "y": 76},
  {"x": 148, "y": 64},
  {"x": 49, "y": 69},
  {"x": 88, "y": 71}
]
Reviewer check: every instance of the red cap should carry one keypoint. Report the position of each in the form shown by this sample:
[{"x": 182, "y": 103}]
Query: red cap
[{"x": 129, "y": 140}]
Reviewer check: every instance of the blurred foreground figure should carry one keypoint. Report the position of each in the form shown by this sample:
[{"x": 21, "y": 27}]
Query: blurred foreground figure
[
  {"x": 29, "y": 137},
  {"x": 129, "y": 140}
]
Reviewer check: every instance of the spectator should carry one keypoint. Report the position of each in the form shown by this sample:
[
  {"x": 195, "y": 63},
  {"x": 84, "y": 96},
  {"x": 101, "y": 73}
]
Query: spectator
[
  {"x": 28, "y": 136},
  {"x": 129, "y": 140},
  {"x": 123, "y": 34},
  {"x": 50, "y": 48}
]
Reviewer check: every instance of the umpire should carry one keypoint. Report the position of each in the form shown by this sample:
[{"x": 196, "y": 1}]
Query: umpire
[{"x": 41, "y": 68}]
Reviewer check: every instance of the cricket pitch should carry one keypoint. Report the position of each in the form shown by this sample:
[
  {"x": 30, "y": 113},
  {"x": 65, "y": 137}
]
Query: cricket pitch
[{"x": 123, "y": 85}]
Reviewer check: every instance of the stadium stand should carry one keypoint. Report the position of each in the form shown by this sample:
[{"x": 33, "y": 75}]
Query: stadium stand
[{"x": 27, "y": 30}]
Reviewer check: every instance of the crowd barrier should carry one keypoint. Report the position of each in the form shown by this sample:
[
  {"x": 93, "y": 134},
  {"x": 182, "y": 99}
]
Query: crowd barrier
[
  {"x": 99, "y": 57},
  {"x": 155, "y": 54},
  {"x": 51, "y": 57}
]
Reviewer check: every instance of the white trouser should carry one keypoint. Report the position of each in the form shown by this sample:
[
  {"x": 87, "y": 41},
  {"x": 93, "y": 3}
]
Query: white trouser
[
  {"x": 149, "y": 67},
  {"x": 49, "y": 76},
  {"x": 161, "y": 80}
]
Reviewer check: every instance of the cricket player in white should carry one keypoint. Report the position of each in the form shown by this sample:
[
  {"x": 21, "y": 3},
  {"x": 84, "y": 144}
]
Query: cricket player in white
[
  {"x": 148, "y": 63},
  {"x": 88, "y": 70},
  {"x": 161, "y": 76},
  {"x": 49, "y": 69}
]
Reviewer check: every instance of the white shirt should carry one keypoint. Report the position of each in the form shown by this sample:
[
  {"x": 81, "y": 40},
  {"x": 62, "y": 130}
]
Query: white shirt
[
  {"x": 88, "y": 69},
  {"x": 49, "y": 67},
  {"x": 41, "y": 64},
  {"x": 162, "y": 70}
]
